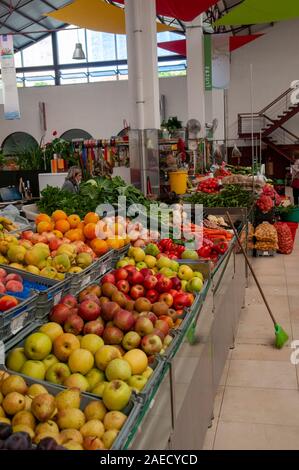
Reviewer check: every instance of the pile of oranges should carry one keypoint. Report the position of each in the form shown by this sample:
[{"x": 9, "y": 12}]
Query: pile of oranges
[{"x": 91, "y": 230}]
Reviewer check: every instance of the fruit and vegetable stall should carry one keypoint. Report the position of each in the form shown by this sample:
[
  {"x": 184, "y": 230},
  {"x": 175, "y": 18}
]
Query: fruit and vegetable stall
[{"x": 115, "y": 336}]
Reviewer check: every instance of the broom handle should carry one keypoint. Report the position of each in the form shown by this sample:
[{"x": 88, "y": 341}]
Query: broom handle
[{"x": 251, "y": 268}]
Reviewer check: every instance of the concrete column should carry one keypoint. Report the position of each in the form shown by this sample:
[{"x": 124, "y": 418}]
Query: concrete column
[
  {"x": 195, "y": 72},
  {"x": 143, "y": 64}
]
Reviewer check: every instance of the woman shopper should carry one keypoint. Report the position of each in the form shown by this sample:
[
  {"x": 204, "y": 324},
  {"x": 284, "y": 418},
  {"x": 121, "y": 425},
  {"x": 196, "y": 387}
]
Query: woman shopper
[
  {"x": 295, "y": 181},
  {"x": 73, "y": 180}
]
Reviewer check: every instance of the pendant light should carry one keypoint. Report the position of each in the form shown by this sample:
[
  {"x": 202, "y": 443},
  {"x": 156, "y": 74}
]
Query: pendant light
[{"x": 78, "y": 52}]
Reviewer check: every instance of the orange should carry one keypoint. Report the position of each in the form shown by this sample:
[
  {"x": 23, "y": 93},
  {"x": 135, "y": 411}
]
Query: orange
[
  {"x": 44, "y": 227},
  {"x": 75, "y": 235},
  {"x": 63, "y": 226},
  {"x": 81, "y": 225},
  {"x": 100, "y": 247},
  {"x": 91, "y": 218},
  {"x": 59, "y": 215},
  {"x": 42, "y": 218},
  {"x": 113, "y": 243},
  {"x": 58, "y": 234},
  {"x": 74, "y": 220},
  {"x": 90, "y": 231}
]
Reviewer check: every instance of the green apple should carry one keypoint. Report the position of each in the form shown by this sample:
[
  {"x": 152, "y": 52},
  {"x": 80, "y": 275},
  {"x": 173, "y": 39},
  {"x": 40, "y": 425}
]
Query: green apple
[
  {"x": 147, "y": 373},
  {"x": 99, "y": 389},
  {"x": 91, "y": 342},
  {"x": 137, "y": 382},
  {"x": 129, "y": 261},
  {"x": 118, "y": 369},
  {"x": 57, "y": 373},
  {"x": 185, "y": 273},
  {"x": 141, "y": 265},
  {"x": 122, "y": 263},
  {"x": 116, "y": 395},
  {"x": 37, "y": 346},
  {"x": 194, "y": 285},
  {"x": 49, "y": 361},
  {"x": 190, "y": 254},
  {"x": 34, "y": 369},
  {"x": 130, "y": 251},
  {"x": 138, "y": 254},
  {"x": 16, "y": 359},
  {"x": 184, "y": 285},
  {"x": 150, "y": 261},
  {"x": 174, "y": 266},
  {"x": 94, "y": 377},
  {"x": 198, "y": 274},
  {"x": 167, "y": 272},
  {"x": 164, "y": 262}
]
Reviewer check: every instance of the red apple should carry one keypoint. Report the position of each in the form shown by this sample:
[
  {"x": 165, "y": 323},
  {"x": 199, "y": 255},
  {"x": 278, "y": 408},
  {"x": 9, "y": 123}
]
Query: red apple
[
  {"x": 150, "y": 282},
  {"x": 3, "y": 273},
  {"x": 151, "y": 344},
  {"x": 162, "y": 326},
  {"x": 92, "y": 297},
  {"x": 135, "y": 278},
  {"x": 153, "y": 318},
  {"x": 167, "y": 298},
  {"x": 60, "y": 313},
  {"x": 191, "y": 299},
  {"x": 146, "y": 272},
  {"x": 124, "y": 320},
  {"x": 14, "y": 286},
  {"x": 121, "y": 274},
  {"x": 74, "y": 324},
  {"x": 144, "y": 326},
  {"x": 110, "y": 278},
  {"x": 112, "y": 335},
  {"x": 55, "y": 243},
  {"x": 27, "y": 235},
  {"x": 95, "y": 327},
  {"x": 176, "y": 283},
  {"x": 2, "y": 288},
  {"x": 181, "y": 301},
  {"x": 13, "y": 277},
  {"x": 69, "y": 300},
  {"x": 173, "y": 293},
  {"x": 89, "y": 310},
  {"x": 123, "y": 285},
  {"x": 164, "y": 284},
  {"x": 137, "y": 291},
  {"x": 152, "y": 295},
  {"x": 159, "y": 276},
  {"x": 130, "y": 268},
  {"x": 159, "y": 333},
  {"x": 108, "y": 310}
]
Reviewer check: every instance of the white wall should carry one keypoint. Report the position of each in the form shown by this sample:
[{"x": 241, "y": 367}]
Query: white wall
[
  {"x": 275, "y": 60},
  {"x": 98, "y": 108}
]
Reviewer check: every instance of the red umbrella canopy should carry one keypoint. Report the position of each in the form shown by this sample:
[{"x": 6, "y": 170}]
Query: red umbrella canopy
[{"x": 185, "y": 10}]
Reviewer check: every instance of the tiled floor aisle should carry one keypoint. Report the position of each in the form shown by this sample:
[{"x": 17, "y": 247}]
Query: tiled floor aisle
[{"x": 257, "y": 405}]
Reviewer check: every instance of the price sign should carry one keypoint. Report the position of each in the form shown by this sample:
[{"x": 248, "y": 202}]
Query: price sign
[
  {"x": 57, "y": 298},
  {"x": 86, "y": 281},
  {"x": 18, "y": 323}
]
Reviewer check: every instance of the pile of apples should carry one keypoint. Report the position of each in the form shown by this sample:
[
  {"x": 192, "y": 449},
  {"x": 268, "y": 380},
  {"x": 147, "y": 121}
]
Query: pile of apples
[
  {"x": 29, "y": 414},
  {"x": 9, "y": 283}
]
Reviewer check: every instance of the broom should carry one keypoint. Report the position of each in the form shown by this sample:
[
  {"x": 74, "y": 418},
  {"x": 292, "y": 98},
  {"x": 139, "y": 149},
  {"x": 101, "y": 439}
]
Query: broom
[{"x": 281, "y": 337}]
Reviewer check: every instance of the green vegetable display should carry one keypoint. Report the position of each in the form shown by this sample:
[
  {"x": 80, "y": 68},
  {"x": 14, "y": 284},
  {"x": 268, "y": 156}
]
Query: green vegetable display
[
  {"x": 231, "y": 196},
  {"x": 92, "y": 193}
]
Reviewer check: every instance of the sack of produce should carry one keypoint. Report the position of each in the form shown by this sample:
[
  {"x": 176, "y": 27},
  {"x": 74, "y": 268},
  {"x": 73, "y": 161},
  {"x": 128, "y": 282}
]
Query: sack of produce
[
  {"x": 266, "y": 237},
  {"x": 285, "y": 239}
]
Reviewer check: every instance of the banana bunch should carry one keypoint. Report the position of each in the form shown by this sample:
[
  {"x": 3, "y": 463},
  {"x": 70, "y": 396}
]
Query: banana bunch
[{"x": 7, "y": 225}]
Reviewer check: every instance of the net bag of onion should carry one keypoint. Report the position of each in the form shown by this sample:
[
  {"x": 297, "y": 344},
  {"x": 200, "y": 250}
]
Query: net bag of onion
[{"x": 285, "y": 239}]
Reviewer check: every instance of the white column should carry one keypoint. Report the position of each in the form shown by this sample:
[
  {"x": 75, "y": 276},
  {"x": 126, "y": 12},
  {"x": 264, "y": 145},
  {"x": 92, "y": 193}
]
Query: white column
[
  {"x": 143, "y": 64},
  {"x": 195, "y": 72}
]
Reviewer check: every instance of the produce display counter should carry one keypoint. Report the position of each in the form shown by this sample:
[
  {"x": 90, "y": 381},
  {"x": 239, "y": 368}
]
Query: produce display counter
[{"x": 179, "y": 409}]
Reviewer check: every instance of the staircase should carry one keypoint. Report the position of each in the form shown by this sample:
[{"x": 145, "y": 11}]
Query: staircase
[{"x": 268, "y": 125}]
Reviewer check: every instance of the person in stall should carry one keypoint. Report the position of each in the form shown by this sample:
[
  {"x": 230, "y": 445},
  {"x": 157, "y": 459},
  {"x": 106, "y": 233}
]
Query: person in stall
[{"x": 73, "y": 180}]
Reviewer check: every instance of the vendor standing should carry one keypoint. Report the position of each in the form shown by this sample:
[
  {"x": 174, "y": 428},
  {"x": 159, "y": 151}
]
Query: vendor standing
[
  {"x": 295, "y": 181},
  {"x": 73, "y": 180}
]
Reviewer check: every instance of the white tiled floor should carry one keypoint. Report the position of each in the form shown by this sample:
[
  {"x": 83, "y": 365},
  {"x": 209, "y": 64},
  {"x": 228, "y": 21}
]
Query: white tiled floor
[{"x": 257, "y": 404}]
